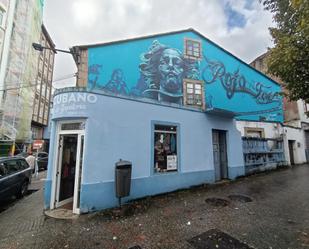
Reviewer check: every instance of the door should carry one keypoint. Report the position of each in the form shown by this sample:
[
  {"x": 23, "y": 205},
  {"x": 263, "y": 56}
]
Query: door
[
  {"x": 220, "y": 154},
  {"x": 14, "y": 178},
  {"x": 291, "y": 151},
  {"x": 67, "y": 168},
  {"x": 307, "y": 144},
  {"x": 5, "y": 182}
]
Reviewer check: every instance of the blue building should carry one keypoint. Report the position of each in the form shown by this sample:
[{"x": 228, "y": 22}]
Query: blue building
[{"x": 168, "y": 103}]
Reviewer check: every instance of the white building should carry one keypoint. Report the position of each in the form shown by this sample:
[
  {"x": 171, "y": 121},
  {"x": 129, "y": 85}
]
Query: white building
[{"x": 294, "y": 132}]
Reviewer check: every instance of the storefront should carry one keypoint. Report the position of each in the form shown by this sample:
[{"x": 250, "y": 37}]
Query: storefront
[
  {"x": 166, "y": 103},
  {"x": 170, "y": 148}
]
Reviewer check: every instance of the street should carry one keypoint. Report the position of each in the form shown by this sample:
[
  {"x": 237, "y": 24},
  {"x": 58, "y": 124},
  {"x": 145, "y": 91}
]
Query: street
[{"x": 269, "y": 210}]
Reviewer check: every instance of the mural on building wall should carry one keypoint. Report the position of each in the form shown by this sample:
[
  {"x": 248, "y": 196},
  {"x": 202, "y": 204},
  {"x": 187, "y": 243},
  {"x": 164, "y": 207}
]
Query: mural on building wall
[
  {"x": 93, "y": 75},
  {"x": 156, "y": 69},
  {"x": 162, "y": 70},
  {"x": 236, "y": 82},
  {"x": 117, "y": 83}
]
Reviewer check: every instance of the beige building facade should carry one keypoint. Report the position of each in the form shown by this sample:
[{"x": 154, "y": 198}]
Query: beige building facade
[
  {"x": 24, "y": 90},
  {"x": 43, "y": 90}
]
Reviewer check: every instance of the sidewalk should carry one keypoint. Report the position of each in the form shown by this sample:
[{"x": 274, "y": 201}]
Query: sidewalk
[
  {"x": 26, "y": 214},
  {"x": 276, "y": 216}
]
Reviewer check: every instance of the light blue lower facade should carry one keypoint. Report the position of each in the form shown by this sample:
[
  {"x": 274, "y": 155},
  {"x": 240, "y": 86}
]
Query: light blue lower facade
[{"x": 118, "y": 128}]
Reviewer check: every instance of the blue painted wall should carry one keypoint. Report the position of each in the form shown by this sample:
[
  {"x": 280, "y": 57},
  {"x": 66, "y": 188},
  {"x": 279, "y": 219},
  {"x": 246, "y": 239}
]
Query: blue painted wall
[
  {"x": 122, "y": 128},
  {"x": 135, "y": 68}
]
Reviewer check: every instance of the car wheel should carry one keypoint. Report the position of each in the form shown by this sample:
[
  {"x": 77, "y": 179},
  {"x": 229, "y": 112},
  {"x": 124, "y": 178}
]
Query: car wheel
[{"x": 23, "y": 190}]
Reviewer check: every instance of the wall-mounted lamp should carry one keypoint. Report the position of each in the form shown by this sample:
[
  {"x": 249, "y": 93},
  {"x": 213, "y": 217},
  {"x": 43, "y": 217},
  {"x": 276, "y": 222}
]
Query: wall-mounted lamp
[{"x": 40, "y": 48}]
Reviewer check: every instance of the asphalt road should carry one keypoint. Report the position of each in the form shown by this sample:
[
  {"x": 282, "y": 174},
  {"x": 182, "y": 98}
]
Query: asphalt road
[{"x": 264, "y": 211}]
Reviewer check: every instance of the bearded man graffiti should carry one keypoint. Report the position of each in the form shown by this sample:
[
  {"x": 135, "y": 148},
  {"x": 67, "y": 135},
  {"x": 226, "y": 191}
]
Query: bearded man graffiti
[{"x": 162, "y": 71}]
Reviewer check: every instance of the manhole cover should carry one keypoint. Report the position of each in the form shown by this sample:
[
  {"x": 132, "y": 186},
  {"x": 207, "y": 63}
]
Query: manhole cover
[
  {"x": 240, "y": 198},
  {"x": 217, "y": 202},
  {"x": 214, "y": 239}
]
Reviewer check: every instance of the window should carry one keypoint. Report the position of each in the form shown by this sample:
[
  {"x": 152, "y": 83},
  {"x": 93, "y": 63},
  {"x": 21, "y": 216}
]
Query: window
[
  {"x": 306, "y": 106},
  {"x": 43, "y": 87},
  {"x": 12, "y": 166},
  {"x": 45, "y": 113},
  {"x": 193, "y": 49},
  {"x": 3, "y": 170},
  {"x": 194, "y": 93},
  {"x": 41, "y": 114},
  {"x": 23, "y": 164},
  {"x": 73, "y": 126},
  {"x": 2, "y": 13},
  {"x": 36, "y": 107},
  {"x": 47, "y": 93},
  {"x": 165, "y": 148},
  {"x": 254, "y": 132}
]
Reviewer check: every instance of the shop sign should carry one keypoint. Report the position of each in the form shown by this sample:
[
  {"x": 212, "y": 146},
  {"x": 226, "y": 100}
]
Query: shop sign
[
  {"x": 37, "y": 144},
  {"x": 73, "y": 102},
  {"x": 171, "y": 162},
  {"x": 73, "y": 98}
]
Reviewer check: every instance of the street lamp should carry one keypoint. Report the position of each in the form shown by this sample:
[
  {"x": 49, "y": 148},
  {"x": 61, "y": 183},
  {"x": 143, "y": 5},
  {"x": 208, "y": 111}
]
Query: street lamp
[{"x": 40, "y": 48}]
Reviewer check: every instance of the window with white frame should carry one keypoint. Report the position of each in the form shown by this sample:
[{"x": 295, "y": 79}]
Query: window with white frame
[
  {"x": 165, "y": 148},
  {"x": 193, "y": 49},
  {"x": 194, "y": 93}
]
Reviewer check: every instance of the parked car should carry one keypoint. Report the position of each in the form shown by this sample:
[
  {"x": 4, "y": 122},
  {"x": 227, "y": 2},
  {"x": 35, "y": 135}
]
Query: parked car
[
  {"x": 23, "y": 154},
  {"x": 15, "y": 177},
  {"x": 42, "y": 158}
]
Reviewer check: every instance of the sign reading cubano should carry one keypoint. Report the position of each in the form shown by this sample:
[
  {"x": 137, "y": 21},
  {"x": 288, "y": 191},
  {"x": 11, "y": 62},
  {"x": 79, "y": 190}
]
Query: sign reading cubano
[{"x": 72, "y": 103}]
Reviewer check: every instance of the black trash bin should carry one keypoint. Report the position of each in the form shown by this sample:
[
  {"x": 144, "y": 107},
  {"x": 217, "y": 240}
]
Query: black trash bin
[{"x": 123, "y": 171}]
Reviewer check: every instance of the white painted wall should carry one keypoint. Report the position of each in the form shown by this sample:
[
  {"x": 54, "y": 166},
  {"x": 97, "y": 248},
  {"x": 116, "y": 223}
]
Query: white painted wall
[
  {"x": 299, "y": 147},
  {"x": 301, "y": 107},
  {"x": 275, "y": 130},
  {"x": 272, "y": 130}
]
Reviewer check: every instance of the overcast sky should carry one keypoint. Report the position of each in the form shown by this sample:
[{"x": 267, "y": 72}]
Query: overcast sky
[{"x": 239, "y": 26}]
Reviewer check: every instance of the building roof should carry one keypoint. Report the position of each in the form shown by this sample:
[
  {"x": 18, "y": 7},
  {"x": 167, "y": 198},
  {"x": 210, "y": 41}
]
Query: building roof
[
  {"x": 260, "y": 57},
  {"x": 48, "y": 38},
  {"x": 75, "y": 49}
]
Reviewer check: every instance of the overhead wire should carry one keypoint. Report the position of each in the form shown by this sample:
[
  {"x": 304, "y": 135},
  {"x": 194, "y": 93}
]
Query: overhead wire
[{"x": 33, "y": 85}]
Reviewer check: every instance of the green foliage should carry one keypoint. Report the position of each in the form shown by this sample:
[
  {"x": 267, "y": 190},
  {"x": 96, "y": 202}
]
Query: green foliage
[{"x": 289, "y": 59}]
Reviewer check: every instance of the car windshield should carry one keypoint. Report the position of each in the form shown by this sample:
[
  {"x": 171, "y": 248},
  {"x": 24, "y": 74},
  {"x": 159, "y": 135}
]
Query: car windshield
[{"x": 22, "y": 154}]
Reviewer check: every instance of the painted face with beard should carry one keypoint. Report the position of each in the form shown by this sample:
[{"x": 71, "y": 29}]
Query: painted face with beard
[{"x": 171, "y": 71}]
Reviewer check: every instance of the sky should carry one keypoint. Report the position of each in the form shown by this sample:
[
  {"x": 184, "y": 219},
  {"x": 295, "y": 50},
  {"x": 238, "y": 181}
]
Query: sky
[{"x": 239, "y": 26}]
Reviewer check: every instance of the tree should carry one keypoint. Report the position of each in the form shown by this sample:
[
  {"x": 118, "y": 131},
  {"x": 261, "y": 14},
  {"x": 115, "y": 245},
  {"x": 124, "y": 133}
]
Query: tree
[{"x": 289, "y": 59}]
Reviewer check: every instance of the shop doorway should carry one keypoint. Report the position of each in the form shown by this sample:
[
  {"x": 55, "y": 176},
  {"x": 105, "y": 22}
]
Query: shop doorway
[
  {"x": 291, "y": 151},
  {"x": 68, "y": 167},
  {"x": 220, "y": 154}
]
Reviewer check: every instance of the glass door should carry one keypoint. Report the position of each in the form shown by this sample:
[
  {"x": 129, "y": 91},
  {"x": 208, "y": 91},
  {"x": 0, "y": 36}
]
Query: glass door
[
  {"x": 66, "y": 186},
  {"x": 67, "y": 168}
]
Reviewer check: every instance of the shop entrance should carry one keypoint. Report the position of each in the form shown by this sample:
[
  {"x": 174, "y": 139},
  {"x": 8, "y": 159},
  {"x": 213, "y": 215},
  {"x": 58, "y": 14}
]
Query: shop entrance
[
  {"x": 220, "y": 154},
  {"x": 68, "y": 167}
]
